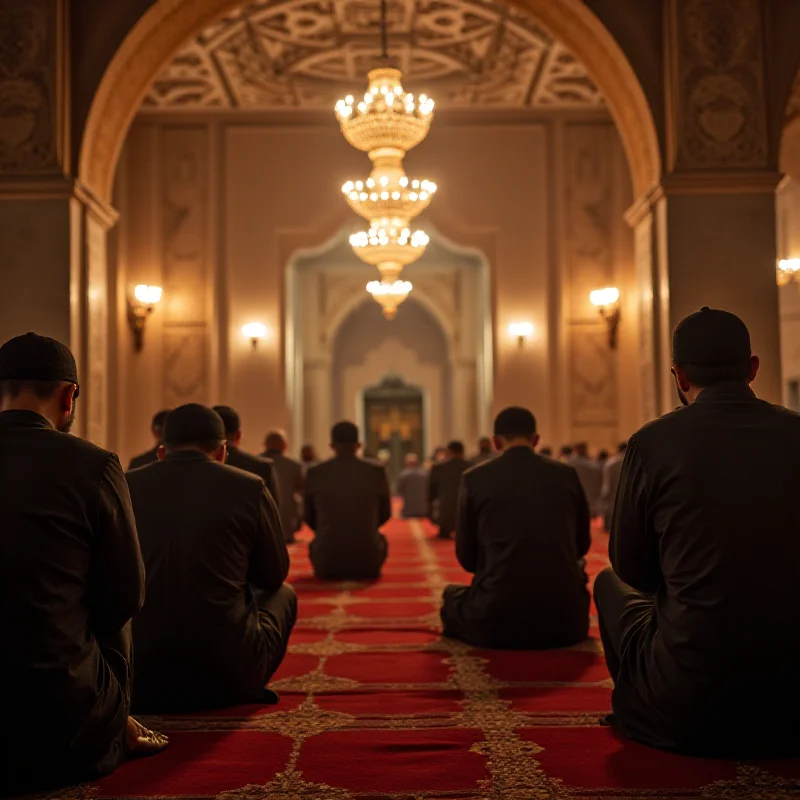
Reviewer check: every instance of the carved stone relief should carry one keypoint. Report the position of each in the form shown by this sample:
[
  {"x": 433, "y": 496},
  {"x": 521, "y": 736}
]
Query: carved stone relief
[
  {"x": 184, "y": 193},
  {"x": 720, "y": 84},
  {"x": 307, "y": 53},
  {"x": 589, "y": 265},
  {"x": 28, "y": 87}
]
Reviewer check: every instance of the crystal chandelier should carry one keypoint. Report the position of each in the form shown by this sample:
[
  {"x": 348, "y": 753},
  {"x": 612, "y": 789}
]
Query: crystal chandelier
[{"x": 386, "y": 125}]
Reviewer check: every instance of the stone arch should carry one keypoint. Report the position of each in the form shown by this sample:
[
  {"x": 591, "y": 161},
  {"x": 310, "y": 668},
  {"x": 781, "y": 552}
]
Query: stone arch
[{"x": 169, "y": 23}]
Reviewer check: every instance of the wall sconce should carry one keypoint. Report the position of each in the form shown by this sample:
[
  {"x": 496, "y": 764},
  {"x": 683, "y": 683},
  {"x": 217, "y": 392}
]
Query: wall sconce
[
  {"x": 788, "y": 269},
  {"x": 607, "y": 303},
  {"x": 255, "y": 332},
  {"x": 145, "y": 299},
  {"x": 521, "y": 331}
]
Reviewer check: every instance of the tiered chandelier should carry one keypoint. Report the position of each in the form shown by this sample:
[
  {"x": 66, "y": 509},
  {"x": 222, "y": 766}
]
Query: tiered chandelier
[{"x": 386, "y": 125}]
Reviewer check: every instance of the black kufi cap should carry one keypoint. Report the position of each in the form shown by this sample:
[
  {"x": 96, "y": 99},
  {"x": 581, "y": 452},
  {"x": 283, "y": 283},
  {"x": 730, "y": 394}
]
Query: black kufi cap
[
  {"x": 711, "y": 338},
  {"x": 193, "y": 424},
  {"x": 37, "y": 358}
]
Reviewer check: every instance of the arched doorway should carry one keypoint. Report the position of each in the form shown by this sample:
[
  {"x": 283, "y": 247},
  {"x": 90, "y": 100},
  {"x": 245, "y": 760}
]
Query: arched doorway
[
  {"x": 394, "y": 423},
  {"x": 167, "y": 25}
]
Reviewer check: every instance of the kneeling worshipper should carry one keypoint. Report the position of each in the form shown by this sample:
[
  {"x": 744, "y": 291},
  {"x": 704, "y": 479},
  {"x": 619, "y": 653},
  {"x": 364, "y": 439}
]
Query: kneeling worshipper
[
  {"x": 257, "y": 465},
  {"x": 523, "y": 530},
  {"x": 699, "y": 614},
  {"x": 218, "y": 615},
  {"x": 445, "y": 480},
  {"x": 412, "y": 488},
  {"x": 290, "y": 478},
  {"x": 71, "y": 578},
  {"x": 346, "y": 501}
]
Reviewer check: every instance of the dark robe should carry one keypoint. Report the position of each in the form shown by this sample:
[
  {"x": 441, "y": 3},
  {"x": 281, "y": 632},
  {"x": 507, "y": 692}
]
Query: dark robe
[
  {"x": 523, "y": 529},
  {"x": 704, "y": 640},
  {"x": 256, "y": 465},
  {"x": 142, "y": 460},
  {"x": 347, "y": 499},
  {"x": 443, "y": 490},
  {"x": 290, "y": 480},
  {"x": 71, "y": 578},
  {"x": 218, "y": 617}
]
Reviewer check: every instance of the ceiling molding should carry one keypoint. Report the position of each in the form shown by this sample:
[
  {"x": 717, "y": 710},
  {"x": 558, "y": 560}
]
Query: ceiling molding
[{"x": 307, "y": 53}]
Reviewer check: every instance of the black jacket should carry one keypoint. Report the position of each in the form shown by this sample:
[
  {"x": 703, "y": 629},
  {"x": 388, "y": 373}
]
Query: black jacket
[
  {"x": 346, "y": 500},
  {"x": 290, "y": 480},
  {"x": 70, "y": 574},
  {"x": 443, "y": 488},
  {"x": 142, "y": 460},
  {"x": 707, "y": 518},
  {"x": 209, "y": 533},
  {"x": 256, "y": 465},
  {"x": 523, "y": 528}
]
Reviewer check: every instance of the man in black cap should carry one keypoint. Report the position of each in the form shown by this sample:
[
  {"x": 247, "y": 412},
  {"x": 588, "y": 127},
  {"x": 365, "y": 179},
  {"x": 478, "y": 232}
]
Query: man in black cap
[
  {"x": 290, "y": 480},
  {"x": 699, "y": 613},
  {"x": 151, "y": 455},
  {"x": 523, "y": 530},
  {"x": 241, "y": 459},
  {"x": 347, "y": 500},
  {"x": 71, "y": 578},
  {"x": 443, "y": 488},
  {"x": 218, "y": 614}
]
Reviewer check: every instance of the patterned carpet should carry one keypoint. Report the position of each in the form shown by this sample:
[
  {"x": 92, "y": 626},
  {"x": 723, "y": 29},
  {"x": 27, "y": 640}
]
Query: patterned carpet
[{"x": 375, "y": 705}]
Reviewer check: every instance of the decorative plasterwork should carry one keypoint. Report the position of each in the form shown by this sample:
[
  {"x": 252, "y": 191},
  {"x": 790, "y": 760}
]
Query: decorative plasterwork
[{"x": 306, "y": 53}]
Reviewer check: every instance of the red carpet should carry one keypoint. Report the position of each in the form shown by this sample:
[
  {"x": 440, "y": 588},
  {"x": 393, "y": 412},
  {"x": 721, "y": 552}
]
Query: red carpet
[{"x": 375, "y": 705}]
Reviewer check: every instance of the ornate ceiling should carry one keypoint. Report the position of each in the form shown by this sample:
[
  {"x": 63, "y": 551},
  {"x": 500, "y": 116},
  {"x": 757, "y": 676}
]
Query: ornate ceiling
[{"x": 307, "y": 53}]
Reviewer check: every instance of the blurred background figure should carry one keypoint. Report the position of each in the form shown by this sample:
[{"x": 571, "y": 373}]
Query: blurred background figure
[
  {"x": 485, "y": 452},
  {"x": 590, "y": 475},
  {"x": 443, "y": 489},
  {"x": 547, "y": 452},
  {"x": 412, "y": 488},
  {"x": 602, "y": 457},
  {"x": 611, "y": 472},
  {"x": 308, "y": 458},
  {"x": 289, "y": 478},
  {"x": 566, "y": 453},
  {"x": 157, "y": 429}
]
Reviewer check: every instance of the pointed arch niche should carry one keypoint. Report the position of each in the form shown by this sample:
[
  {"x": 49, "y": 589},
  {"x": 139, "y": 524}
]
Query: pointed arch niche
[{"x": 337, "y": 344}]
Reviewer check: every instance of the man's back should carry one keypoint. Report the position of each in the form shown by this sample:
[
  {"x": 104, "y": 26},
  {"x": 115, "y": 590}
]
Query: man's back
[
  {"x": 255, "y": 465},
  {"x": 445, "y": 483},
  {"x": 288, "y": 475},
  {"x": 143, "y": 459},
  {"x": 347, "y": 500},
  {"x": 612, "y": 469},
  {"x": 590, "y": 474},
  {"x": 524, "y": 526},
  {"x": 708, "y": 519},
  {"x": 70, "y": 571},
  {"x": 412, "y": 487},
  {"x": 208, "y": 531}
]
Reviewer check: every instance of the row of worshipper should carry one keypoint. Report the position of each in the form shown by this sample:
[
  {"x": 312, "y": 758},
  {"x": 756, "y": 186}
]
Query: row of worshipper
[
  {"x": 433, "y": 492},
  {"x": 698, "y": 611},
  {"x": 182, "y": 562}
]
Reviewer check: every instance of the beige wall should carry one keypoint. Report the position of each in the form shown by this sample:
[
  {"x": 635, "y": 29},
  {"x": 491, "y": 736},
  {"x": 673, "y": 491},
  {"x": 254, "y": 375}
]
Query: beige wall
[{"x": 216, "y": 208}]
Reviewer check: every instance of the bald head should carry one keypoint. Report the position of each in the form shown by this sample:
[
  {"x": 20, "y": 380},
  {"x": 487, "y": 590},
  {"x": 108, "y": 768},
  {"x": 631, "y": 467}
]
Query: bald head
[{"x": 275, "y": 442}]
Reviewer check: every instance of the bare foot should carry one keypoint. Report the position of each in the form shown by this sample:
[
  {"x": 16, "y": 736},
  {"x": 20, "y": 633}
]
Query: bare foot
[{"x": 141, "y": 741}]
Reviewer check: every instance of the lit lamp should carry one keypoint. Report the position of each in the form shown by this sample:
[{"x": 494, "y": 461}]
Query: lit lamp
[
  {"x": 607, "y": 303},
  {"x": 255, "y": 332},
  {"x": 521, "y": 331},
  {"x": 389, "y": 295},
  {"x": 140, "y": 307},
  {"x": 787, "y": 270}
]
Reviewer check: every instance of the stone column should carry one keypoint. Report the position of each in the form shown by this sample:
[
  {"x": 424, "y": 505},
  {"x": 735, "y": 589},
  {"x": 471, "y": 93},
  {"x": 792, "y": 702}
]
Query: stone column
[
  {"x": 53, "y": 276},
  {"x": 707, "y": 235}
]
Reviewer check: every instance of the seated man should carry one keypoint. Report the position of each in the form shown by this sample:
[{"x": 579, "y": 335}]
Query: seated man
[
  {"x": 443, "y": 489},
  {"x": 590, "y": 474},
  {"x": 218, "y": 614},
  {"x": 699, "y": 615},
  {"x": 523, "y": 529},
  {"x": 240, "y": 458},
  {"x": 611, "y": 472},
  {"x": 71, "y": 578},
  {"x": 157, "y": 429},
  {"x": 289, "y": 479},
  {"x": 412, "y": 488},
  {"x": 347, "y": 500}
]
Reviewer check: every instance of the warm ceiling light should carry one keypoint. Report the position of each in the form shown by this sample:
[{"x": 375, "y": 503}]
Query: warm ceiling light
[
  {"x": 389, "y": 295},
  {"x": 255, "y": 332},
  {"x": 607, "y": 303},
  {"x": 147, "y": 295}
]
